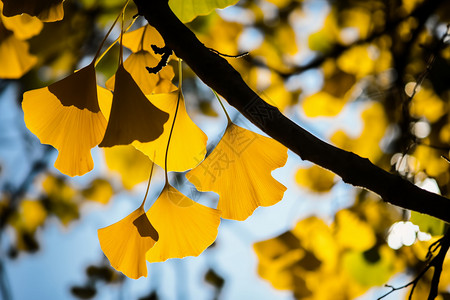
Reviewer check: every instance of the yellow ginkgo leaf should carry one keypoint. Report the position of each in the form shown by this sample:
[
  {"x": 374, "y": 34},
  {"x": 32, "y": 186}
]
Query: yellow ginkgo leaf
[
  {"x": 45, "y": 10},
  {"x": 126, "y": 242},
  {"x": 33, "y": 214},
  {"x": 188, "y": 142},
  {"x": 185, "y": 228},
  {"x": 23, "y": 26},
  {"x": 353, "y": 233},
  {"x": 61, "y": 199},
  {"x": 130, "y": 163},
  {"x": 315, "y": 179},
  {"x": 427, "y": 104},
  {"x": 67, "y": 116},
  {"x": 99, "y": 190},
  {"x": 142, "y": 39},
  {"x": 280, "y": 3},
  {"x": 16, "y": 59},
  {"x": 186, "y": 11},
  {"x": 148, "y": 82},
  {"x": 239, "y": 170},
  {"x": 356, "y": 61},
  {"x": 322, "y": 104},
  {"x": 133, "y": 116},
  {"x": 368, "y": 142}
]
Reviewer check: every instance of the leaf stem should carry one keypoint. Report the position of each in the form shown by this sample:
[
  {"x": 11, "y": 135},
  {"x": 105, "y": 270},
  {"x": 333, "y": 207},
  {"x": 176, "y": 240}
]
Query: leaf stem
[
  {"x": 148, "y": 184},
  {"x": 109, "y": 31},
  {"x": 223, "y": 107},
  {"x": 180, "y": 80},
  {"x": 112, "y": 44}
]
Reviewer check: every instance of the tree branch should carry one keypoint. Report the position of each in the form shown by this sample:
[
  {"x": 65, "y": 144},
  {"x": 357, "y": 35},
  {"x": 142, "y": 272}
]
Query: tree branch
[
  {"x": 437, "y": 262},
  {"x": 218, "y": 74}
]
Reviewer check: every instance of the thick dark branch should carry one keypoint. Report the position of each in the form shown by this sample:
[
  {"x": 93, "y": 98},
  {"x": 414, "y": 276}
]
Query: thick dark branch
[{"x": 218, "y": 74}]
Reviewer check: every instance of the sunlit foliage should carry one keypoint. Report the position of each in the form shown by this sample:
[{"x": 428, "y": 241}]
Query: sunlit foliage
[{"x": 379, "y": 88}]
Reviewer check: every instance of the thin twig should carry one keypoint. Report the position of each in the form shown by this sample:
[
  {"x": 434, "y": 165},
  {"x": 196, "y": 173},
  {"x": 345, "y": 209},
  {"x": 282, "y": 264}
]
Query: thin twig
[
  {"x": 437, "y": 262},
  {"x": 227, "y": 55}
]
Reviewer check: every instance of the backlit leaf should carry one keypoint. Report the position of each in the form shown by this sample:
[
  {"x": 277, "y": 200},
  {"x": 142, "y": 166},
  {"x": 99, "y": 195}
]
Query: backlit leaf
[
  {"x": 17, "y": 59},
  {"x": 45, "y": 10},
  {"x": 23, "y": 26},
  {"x": 188, "y": 142},
  {"x": 315, "y": 179},
  {"x": 187, "y": 10},
  {"x": 126, "y": 242},
  {"x": 99, "y": 190},
  {"x": 427, "y": 223},
  {"x": 131, "y": 164},
  {"x": 142, "y": 39},
  {"x": 353, "y": 233},
  {"x": 148, "y": 82},
  {"x": 67, "y": 116},
  {"x": 185, "y": 228},
  {"x": 133, "y": 117},
  {"x": 370, "y": 273},
  {"x": 239, "y": 170}
]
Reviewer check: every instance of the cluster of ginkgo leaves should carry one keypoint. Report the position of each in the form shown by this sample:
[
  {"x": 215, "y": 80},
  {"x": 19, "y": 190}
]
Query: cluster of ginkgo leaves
[
  {"x": 147, "y": 111},
  {"x": 356, "y": 50}
]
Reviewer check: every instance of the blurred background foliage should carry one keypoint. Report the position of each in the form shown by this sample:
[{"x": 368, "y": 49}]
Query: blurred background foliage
[{"x": 371, "y": 77}]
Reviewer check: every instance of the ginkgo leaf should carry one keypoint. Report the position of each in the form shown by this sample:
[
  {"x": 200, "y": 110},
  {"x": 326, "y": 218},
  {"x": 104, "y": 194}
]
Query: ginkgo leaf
[
  {"x": 45, "y": 10},
  {"x": 99, "y": 190},
  {"x": 428, "y": 223},
  {"x": 185, "y": 228},
  {"x": 130, "y": 163},
  {"x": 368, "y": 142},
  {"x": 187, "y": 145},
  {"x": 187, "y": 10},
  {"x": 133, "y": 116},
  {"x": 322, "y": 104},
  {"x": 188, "y": 142},
  {"x": 368, "y": 271},
  {"x": 315, "y": 179},
  {"x": 33, "y": 214},
  {"x": 148, "y": 82},
  {"x": 357, "y": 60},
  {"x": 324, "y": 40},
  {"x": 427, "y": 104},
  {"x": 17, "y": 59},
  {"x": 23, "y": 26},
  {"x": 142, "y": 39},
  {"x": 126, "y": 242},
  {"x": 67, "y": 116},
  {"x": 78, "y": 89},
  {"x": 239, "y": 170},
  {"x": 60, "y": 199},
  {"x": 353, "y": 233},
  {"x": 280, "y": 3}
]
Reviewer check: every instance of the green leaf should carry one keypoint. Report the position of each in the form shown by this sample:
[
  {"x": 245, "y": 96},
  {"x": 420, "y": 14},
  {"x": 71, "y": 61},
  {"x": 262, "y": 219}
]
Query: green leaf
[
  {"x": 427, "y": 223},
  {"x": 187, "y": 10},
  {"x": 370, "y": 268}
]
